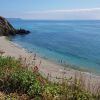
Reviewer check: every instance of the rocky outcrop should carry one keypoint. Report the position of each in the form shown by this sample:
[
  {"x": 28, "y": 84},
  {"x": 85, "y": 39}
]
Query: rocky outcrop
[
  {"x": 22, "y": 31},
  {"x": 7, "y": 29}
]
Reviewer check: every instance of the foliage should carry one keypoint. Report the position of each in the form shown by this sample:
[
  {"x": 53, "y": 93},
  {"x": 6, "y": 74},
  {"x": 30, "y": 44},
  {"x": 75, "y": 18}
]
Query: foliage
[{"x": 19, "y": 83}]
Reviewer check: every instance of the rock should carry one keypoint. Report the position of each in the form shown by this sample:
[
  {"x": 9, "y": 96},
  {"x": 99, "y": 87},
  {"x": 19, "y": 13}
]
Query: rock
[
  {"x": 22, "y": 31},
  {"x": 7, "y": 29}
]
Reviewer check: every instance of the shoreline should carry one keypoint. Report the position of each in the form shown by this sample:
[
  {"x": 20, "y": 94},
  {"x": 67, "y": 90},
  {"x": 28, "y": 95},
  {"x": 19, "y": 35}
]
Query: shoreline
[
  {"x": 45, "y": 66},
  {"x": 63, "y": 65}
]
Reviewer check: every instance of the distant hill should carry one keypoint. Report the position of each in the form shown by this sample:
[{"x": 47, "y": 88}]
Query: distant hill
[{"x": 11, "y": 19}]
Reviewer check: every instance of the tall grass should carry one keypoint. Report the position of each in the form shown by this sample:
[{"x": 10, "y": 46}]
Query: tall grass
[{"x": 19, "y": 81}]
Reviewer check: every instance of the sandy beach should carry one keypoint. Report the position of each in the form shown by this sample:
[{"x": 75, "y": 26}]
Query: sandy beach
[{"x": 45, "y": 66}]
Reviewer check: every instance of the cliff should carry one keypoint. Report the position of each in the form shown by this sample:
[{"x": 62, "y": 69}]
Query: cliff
[{"x": 7, "y": 29}]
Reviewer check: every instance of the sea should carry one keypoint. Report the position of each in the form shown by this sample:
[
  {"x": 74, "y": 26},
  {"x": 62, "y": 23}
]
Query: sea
[{"x": 71, "y": 43}]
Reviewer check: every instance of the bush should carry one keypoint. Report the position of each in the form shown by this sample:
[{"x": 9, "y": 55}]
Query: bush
[{"x": 14, "y": 78}]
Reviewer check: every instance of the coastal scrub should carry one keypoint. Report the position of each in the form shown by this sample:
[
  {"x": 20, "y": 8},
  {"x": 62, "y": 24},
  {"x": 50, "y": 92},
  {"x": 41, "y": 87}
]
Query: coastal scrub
[{"x": 18, "y": 82}]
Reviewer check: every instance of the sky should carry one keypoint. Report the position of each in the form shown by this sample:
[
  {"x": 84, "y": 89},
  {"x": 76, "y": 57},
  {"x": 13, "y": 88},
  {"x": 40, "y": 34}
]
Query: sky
[{"x": 51, "y": 9}]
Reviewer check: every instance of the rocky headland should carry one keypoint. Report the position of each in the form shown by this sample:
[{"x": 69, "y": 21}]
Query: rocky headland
[{"x": 7, "y": 29}]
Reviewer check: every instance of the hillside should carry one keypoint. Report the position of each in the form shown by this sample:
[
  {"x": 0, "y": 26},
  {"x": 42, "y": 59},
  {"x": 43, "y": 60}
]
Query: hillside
[{"x": 7, "y": 29}]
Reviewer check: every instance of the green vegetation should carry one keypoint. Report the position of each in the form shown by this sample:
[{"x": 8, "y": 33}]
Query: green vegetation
[{"x": 17, "y": 82}]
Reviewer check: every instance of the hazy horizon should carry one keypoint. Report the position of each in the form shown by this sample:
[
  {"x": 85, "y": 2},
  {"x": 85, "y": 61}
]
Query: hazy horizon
[{"x": 51, "y": 10}]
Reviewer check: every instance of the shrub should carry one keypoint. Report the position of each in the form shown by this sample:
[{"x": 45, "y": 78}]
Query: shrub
[{"x": 14, "y": 78}]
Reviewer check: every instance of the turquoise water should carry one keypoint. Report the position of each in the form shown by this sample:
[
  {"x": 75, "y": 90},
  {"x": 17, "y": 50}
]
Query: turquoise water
[{"x": 76, "y": 43}]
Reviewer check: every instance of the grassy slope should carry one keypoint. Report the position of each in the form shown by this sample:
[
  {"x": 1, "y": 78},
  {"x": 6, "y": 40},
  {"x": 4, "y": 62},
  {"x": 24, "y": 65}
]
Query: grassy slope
[{"x": 19, "y": 83}]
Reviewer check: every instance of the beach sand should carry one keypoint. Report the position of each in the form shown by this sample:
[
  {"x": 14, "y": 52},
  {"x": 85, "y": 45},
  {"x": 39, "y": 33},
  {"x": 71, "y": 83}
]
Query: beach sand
[{"x": 47, "y": 67}]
